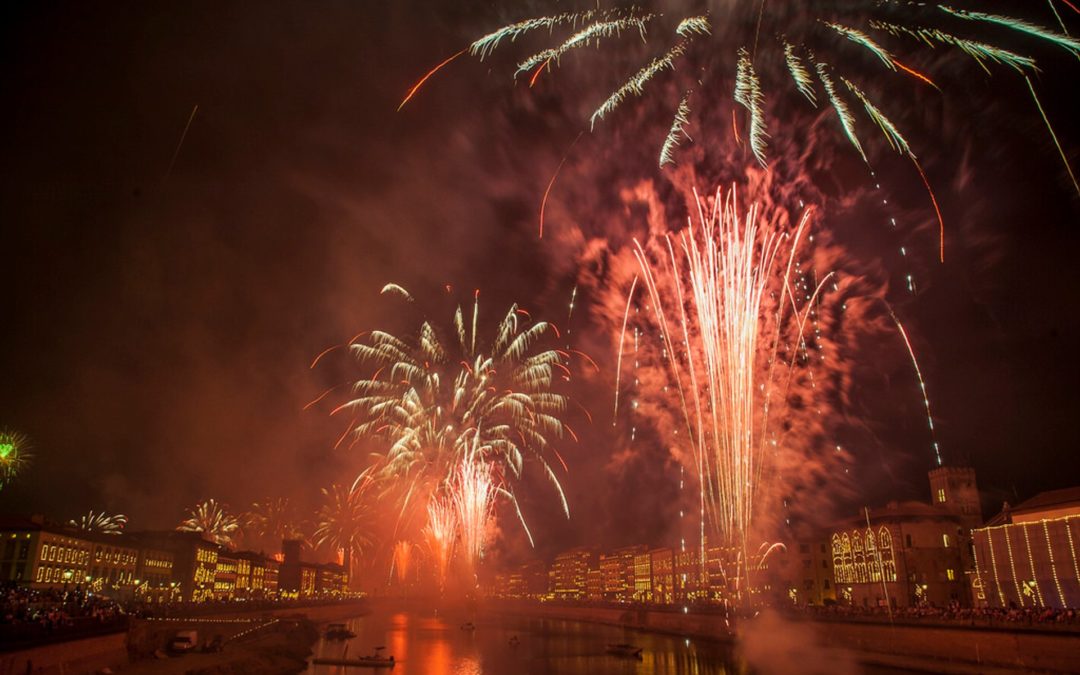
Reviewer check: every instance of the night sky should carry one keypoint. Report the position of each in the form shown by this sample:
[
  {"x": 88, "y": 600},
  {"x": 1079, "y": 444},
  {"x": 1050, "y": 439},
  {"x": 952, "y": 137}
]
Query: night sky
[{"x": 159, "y": 326}]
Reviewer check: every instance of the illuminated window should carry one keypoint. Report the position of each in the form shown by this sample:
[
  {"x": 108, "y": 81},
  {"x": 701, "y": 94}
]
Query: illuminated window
[
  {"x": 885, "y": 548},
  {"x": 945, "y": 540},
  {"x": 951, "y": 574},
  {"x": 40, "y": 572},
  {"x": 941, "y": 495},
  {"x": 858, "y": 557}
]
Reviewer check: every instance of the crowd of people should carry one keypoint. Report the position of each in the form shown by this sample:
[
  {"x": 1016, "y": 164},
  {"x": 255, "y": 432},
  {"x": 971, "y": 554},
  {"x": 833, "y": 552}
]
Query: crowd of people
[
  {"x": 954, "y": 613},
  {"x": 29, "y": 614}
]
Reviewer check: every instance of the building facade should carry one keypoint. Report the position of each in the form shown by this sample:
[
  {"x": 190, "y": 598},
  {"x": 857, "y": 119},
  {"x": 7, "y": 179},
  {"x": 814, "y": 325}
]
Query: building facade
[
  {"x": 1026, "y": 556},
  {"x": 569, "y": 574},
  {"x": 910, "y": 553}
]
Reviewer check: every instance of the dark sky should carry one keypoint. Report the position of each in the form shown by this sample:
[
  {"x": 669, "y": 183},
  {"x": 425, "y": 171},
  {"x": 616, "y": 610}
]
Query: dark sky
[{"x": 158, "y": 329}]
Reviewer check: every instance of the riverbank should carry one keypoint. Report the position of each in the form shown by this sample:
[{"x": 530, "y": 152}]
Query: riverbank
[
  {"x": 136, "y": 646},
  {"x": 281, "y": 647},
  {"x": 931, "y": 648}
]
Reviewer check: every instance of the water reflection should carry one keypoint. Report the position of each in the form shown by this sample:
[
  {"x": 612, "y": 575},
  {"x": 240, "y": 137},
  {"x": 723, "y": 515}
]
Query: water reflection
[{"x": 424, "y": 643}]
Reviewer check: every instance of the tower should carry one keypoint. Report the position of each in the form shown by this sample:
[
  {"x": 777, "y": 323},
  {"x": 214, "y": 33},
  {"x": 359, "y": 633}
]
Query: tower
[{"x": 953, "y": 489}]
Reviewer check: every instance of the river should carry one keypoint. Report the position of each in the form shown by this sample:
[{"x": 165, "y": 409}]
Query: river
[{"x": 428, "y": 643}]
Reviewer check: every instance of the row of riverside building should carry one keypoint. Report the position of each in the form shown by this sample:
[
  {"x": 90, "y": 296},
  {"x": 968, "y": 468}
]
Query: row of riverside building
[
  {"x": 903, "y": 554},
  {"x": 157, "y": 566}
]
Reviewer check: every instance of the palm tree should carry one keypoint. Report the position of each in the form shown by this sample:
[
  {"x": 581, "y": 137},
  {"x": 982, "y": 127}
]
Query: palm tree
[
  {"x": 214, "y": 522},
  {"x": 345, "y": 520}
]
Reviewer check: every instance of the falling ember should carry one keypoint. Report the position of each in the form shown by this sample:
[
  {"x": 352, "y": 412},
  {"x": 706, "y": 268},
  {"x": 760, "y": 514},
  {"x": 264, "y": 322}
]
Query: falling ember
[
  {"x": 922, "y": 384},
  {"x": 439, "y": 536},
  {"x": 937, "y": 210},
  {"x": 416, "y": 87},
  {"x": 724, "y": 305},
  {"x": 547, "y": 192}
]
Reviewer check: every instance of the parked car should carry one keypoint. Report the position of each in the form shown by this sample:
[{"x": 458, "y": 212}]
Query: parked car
[{"x": 184, "y": 641}]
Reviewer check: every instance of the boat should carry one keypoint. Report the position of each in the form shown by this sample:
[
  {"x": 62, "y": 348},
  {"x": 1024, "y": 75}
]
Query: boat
[
  {"x": 376, "y": 660},
  {"x": 361, "y": 662},
  {"x": 338, "y": 631},
  {"x": 468, "y": 625},
  {"x": 624, "y": 649}
]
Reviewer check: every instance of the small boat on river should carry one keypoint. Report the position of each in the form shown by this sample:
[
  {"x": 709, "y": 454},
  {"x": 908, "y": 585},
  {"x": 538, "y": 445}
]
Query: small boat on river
[
  {"x": 625, "y": 650},
  {"x": 376, "y": 660},
  {"x": 338, "y": 631}
]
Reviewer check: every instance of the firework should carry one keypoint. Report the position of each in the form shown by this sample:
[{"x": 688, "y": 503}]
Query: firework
[
  {"x": 402, "y": 560},
  {"x": 678, "y": 128},
  {"x": 100, "y": 523},
  {"x": 745, "y": 27},
  {"x": 271, "y": 521},
  {"x": 15, "y": 455},
  {"x": 473, "y": 492},
  {"x": 345, "y": 520},
  {"x": 922, "y": 385},
  {"x": 214, "y": 522},
  {"x": 439, "y": 535},
  {"x": 722, "y": 301},
  {"x": 431, "y": 404}
]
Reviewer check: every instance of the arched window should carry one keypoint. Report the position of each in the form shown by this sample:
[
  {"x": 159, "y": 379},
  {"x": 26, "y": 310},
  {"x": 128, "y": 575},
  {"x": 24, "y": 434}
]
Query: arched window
[
  {"x": 838, "y": 559},
  {"x": 849, "y": 562},
  {"x": 873, "y": 557},
  {"x": 888, "y": 559},
  {"x": 860, "y": 558}
]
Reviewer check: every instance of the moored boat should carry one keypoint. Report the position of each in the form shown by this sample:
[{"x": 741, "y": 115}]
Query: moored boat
[{"x": 624, "y": 649}]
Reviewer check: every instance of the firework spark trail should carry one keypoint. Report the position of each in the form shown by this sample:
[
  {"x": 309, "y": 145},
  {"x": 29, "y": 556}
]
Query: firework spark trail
[
  {"x": 937, "y": 210},
  {"x": 416, "y": 87},
  {"x": 473, "y": 494},
  {"x": 622, "y": 338},
  {"x": 748, "y": 94},
  {"x": 402, "y": 560},
  {"x": 570, "y": 313},
  {"x": 439, "y": 534},
  {"x": 551, "y": 183},
  {"x": 678, "y": 128},
  {"x": 847, "y": 22},
  {"x": 1064, "y": 41},
  {"x": 722, "y": 317},
  {"x": 1057, "y": 144},
  {"x": 636, "y": 84},
  {"x": 180, "y": 143},
  {"x": 591, "y": 34},
  {"x": 922, "y": 384},
  {"x": 101, "y": 523},
  {"x": 487, "y": 44}
]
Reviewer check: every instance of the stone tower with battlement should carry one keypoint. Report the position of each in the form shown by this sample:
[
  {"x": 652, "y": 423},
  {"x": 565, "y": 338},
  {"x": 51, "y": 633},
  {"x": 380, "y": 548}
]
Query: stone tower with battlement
[{"x": 953, "y": 489}]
